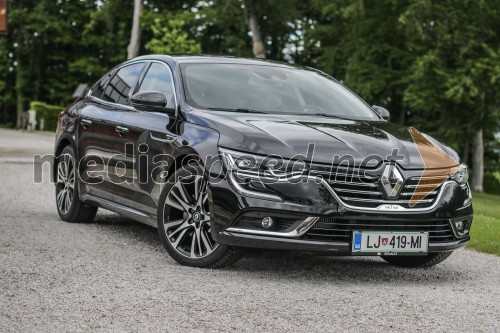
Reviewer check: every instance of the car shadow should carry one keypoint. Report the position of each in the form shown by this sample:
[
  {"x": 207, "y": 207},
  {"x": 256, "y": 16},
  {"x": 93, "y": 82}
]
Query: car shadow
[
  {"x": 322, "y": 268},
  {"x": 295, "y": 265}
]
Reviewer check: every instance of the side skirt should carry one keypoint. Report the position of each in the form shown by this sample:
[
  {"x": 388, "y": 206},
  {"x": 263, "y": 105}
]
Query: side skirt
[{"x": 128, "y": 212}]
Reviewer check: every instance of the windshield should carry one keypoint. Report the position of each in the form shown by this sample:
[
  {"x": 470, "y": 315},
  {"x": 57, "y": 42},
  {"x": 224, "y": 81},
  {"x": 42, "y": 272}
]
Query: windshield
[{"x": 269, "y": 89}]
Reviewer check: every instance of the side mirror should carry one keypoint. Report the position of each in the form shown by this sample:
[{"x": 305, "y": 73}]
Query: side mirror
[
  {"x": 382, "y": 112},
  {"x": 150, "y": 101}
]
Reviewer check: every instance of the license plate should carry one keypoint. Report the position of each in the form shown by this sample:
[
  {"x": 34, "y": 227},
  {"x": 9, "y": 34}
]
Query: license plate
[{"x": 383, "y": 242}]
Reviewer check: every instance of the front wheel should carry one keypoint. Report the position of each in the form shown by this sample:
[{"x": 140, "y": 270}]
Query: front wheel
[
  {"x": 428, "y": 260},
  {"x": 184, "y": 222}
]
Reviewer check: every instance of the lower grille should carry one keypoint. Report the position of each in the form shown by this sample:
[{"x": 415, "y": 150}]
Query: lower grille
[
  {"x": 330, "y": 229},
  {"x": 253, "y": 221}
]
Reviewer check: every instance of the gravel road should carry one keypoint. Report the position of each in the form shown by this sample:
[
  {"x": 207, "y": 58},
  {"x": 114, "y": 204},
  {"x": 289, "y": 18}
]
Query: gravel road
[{"x": 114, "y": 275}]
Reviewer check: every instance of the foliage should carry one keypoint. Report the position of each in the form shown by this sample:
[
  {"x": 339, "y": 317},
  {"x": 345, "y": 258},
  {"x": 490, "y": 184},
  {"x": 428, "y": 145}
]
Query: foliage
[
  {"x": 48, "y": 112},
  {"x": 362, "y": 43},
  {"x": 454, "y": 74},
  {"x": 492, "y": 183},
  {"x": 169, "y": 36}
]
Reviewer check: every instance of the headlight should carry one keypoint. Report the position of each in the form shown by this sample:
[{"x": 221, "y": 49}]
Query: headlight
[
  {"x": 462, "y": 175},
  {"x": 265, "y": 167},
  {"x": 250, "y": 175}
]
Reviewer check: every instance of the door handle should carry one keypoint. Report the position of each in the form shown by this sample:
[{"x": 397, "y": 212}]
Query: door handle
[
  {"x": 121, "y": 130},
  {"x": 86, "y": 122},
  {"x": 170, "y": 138}
]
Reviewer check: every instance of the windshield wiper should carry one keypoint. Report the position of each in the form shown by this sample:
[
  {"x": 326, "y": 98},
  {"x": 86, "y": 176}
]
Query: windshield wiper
[
  {"x": 244, "y": 110},
  {"x": 328, "y": 115}
]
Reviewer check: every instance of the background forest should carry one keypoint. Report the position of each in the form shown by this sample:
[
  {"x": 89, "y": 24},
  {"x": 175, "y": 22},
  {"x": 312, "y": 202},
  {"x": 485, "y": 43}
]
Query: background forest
[{"x": 434, "y": 64}]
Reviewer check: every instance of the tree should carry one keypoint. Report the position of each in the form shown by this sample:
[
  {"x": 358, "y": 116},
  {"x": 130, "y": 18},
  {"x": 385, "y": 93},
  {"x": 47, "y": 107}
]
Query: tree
[
  {"x": 251, "y": 18},
  {"x": 135, "y": 35},
  {"x": 36, "y": 28},
  {"x": 169, "y": 36},
  {"x": 451, "y": 81},
  {"x": 363, "y": 44}
]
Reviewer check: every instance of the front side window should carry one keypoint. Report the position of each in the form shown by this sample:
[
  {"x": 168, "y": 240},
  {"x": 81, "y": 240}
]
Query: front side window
[
  {"x": 270, "y": 89},
  {"x": 123, "y": 81},
  {"x": 159, "y": 79}
]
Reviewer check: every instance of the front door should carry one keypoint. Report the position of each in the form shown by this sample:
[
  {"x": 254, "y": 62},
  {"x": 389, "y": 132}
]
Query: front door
[{"x": 149, "y": 143}]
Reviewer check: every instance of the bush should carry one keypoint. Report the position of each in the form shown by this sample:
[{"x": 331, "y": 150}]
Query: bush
[
  {"x": 47, "y": 112},
  {"x": 491, "y": 183}
]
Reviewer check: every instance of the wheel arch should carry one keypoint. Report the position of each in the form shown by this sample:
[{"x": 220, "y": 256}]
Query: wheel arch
[
  {"x": 63, "y": 143},
  {"x": 183, "y": 160}
]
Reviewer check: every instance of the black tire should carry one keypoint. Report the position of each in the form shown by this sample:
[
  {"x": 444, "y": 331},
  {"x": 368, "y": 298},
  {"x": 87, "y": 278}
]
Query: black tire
[
  {"x": 175, "y": 222},
  {"x": 73, "y": 210},
  {"x": 418, "y": 261}
]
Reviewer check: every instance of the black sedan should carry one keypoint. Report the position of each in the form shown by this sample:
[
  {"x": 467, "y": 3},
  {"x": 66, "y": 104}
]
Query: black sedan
[{"x": 224, "y": 153}]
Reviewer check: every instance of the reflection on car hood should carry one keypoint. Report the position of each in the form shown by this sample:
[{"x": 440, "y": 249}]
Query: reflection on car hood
[{"x": 291, "y": 135}]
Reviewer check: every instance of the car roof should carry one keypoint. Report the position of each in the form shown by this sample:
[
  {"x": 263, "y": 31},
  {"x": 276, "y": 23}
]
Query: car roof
[{"x": 208, "y": 59}]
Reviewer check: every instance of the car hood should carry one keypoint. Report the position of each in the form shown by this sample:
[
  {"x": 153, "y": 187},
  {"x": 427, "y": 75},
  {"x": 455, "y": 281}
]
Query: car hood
[{"x": 291, "y": 135}]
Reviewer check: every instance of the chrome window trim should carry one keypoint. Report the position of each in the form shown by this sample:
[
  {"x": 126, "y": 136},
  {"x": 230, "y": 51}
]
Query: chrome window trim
[
  {"x": 128, "y": 107},
  {"x": 115, "y": 105}
]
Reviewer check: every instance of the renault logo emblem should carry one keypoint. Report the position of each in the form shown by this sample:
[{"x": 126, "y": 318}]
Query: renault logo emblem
[{"x": 391, "y": 181}]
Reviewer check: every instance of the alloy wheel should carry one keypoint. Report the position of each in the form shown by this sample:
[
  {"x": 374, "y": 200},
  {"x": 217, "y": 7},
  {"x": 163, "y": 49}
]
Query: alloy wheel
[
  {"x": 65, "y": 183},
  {"x": 187, "y": 223}
]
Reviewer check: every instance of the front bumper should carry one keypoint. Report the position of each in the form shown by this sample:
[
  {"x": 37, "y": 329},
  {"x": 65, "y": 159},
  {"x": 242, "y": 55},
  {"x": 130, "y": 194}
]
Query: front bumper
[
  {"x": 312, "y": 200},
  {"x": 338, "y": 248}
]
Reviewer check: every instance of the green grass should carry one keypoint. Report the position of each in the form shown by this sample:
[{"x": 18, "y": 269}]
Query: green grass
[{"x": 485, "y": 232}]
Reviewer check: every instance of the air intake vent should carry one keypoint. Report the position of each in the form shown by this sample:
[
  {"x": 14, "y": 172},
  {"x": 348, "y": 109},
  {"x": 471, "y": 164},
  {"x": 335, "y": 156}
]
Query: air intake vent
[{"x": 340, "y": 230}]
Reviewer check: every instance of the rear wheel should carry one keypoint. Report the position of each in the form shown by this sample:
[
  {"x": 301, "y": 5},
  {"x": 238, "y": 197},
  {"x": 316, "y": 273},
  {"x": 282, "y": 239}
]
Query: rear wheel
[
  {"x": 184, "y": 222},
  {"x": 418, "y": 261},
  {"x": 69, "y": 206}
]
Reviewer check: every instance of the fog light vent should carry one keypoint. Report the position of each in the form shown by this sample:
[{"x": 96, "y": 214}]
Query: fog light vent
[{"x": 267, "y": 222}]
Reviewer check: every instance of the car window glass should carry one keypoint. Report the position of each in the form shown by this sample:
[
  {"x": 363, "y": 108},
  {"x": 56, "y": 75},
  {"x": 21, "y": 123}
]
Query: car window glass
[
  {"x": 98, "y": 88},
  {"x": 122, "y": 82},
  {"x": 158, "y": 79},
  {"x": 270, "y": 89}
]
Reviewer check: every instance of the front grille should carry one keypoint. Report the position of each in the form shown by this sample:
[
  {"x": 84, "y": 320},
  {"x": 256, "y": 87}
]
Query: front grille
[
  {"x": 429, "y": 185},
  {"x": 362, "y": 190},
  {"x": 331, "y": 229}
]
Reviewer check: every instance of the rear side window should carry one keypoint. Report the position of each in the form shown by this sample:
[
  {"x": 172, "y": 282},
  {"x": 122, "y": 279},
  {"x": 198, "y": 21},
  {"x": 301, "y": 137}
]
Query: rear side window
[
  {"x": 159, "y": 79},
  {"x": 123, "y": 81},
  {"x": 98, "y": 88}
]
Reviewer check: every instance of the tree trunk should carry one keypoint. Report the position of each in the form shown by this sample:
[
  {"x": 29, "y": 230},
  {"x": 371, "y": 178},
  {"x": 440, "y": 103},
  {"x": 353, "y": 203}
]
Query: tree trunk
[
  {"x": 252, "y": 21},
  {"x": 402, "y": 113},
  {"x": 38, "y": 82},
  {"x": 19, "y": 95},
  {"x": 135, "y": 36},
  {"x": 466, "y": 152},
  {"x": 478, "y": 161}
]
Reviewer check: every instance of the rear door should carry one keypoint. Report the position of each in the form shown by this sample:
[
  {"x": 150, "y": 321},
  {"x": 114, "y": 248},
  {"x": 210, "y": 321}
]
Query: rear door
[
  {"x": 98, "y": 137},
  {"x": 149, "y": 142}
]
